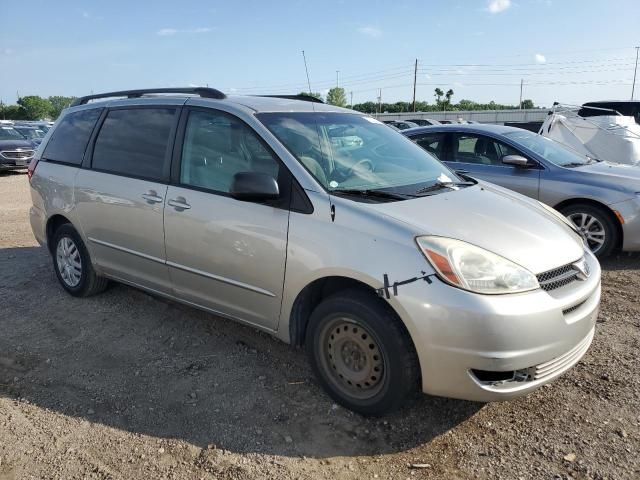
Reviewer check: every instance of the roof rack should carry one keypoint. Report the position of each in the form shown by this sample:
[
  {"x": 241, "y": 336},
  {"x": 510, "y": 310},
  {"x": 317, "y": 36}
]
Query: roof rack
[
  {"x": 202, "y": 91},
  {"x": 301, "y": 96}
]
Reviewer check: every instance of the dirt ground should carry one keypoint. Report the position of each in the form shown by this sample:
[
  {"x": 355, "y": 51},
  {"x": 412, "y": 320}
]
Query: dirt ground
[{"x": 125, "y": 385}]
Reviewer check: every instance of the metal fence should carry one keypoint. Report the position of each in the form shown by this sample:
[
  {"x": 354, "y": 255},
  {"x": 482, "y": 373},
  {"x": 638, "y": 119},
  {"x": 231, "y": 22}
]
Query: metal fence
[{"x": 482, "y": 116}]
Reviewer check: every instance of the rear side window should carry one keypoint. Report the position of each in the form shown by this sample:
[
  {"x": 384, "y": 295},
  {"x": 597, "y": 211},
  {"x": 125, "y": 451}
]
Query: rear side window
[
  {"x": 432, "y": 143},
  {"x": 70, "y": 138},
  {"x": 134, "y": 142}
]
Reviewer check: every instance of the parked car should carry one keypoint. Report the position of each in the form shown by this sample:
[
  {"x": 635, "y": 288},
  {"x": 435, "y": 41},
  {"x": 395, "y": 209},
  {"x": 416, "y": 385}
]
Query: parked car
[
  {"x": 33, "y": 134},
  {"x": 627, "y": 108},
  {"x": 395, "y": 272},
  {"x": 15, "y": 151},
  {"x": 401, "y": 124},
  {"x": 424, "y": 122},
  {"x": 602, "y": 199}
]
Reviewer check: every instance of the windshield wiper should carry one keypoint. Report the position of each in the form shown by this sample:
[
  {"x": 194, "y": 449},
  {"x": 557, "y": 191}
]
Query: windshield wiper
[
  {"x": 440, "y": 185},
  {"x": 373, "y": 194},
  {"x": 574, "y": 164}
]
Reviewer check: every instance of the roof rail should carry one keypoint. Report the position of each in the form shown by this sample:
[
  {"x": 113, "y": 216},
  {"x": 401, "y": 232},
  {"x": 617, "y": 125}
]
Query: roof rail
[
  {"x": 202, "y": 91},
  {"x": 301, "y": 96}
]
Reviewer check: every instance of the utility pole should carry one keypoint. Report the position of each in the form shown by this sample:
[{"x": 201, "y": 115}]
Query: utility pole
[
  {"x": 521, "y": 81},
  {"x": 337, "y": 73},
  {"x": 633, "y": 88},
  {"x": 351, "y": 93},
  {"x": 415, "y": 79},
  {"x": 380, "y": 102},
  {"x": 2, "y": 108},
  {"x": 307, "y": 71}
]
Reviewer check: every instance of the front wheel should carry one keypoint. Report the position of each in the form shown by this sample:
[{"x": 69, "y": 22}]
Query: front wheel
[
  {"x": 361, "y": 353},
  {"x": 596, "y": 226}
]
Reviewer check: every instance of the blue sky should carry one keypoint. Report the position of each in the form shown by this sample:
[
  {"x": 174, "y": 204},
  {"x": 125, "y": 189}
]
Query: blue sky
[{"x": 566, "y": 50}]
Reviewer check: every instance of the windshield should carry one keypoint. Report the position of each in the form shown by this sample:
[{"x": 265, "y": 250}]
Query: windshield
[
  {"x": 354, "y": 152},
  {"x": 9, "y": 133},
  {"x": 31, "y": 132},
  {"x": 548, "y": 149}
]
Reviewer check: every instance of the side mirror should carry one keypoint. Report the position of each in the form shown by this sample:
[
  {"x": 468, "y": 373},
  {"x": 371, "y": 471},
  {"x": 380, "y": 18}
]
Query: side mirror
[
  {"x": 516, "y": 161},
  {"x": 254, "y": 186}
]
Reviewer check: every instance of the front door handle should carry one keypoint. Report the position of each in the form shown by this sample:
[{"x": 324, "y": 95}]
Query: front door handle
[
  {"x": 152, "y": 197},
  {"x": 179, "y": 203}
]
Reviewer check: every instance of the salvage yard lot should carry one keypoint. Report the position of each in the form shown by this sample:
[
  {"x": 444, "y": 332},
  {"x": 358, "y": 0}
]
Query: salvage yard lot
[{"x": 125, "y": 385}]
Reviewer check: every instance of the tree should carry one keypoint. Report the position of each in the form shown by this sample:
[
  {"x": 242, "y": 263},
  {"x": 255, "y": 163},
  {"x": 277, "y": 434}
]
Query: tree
[
  {"x": 337, "y": 97},
  {"x": 58, "y": 103},
  {"x": 448, "y": 96},
  {"x": 36, "y": 108},
  {"x": 438, "y": 94},
  {"x": 312, "y": 94},
  {"x": 12, "y": 112},
  {"x": 528, "y": 104}
]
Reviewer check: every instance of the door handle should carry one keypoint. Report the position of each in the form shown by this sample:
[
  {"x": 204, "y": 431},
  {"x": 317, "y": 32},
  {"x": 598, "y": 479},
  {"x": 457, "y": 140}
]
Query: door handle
[
  {"x": 179, "y": 203},
  {"x": 152, "y": 197}
]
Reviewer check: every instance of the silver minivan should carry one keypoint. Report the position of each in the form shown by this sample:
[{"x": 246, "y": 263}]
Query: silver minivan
[{"x": 323, "y": 227}]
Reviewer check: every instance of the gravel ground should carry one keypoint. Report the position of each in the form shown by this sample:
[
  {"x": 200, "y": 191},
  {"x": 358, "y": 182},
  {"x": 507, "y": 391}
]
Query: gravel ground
[{"x": 125, "y": 385}]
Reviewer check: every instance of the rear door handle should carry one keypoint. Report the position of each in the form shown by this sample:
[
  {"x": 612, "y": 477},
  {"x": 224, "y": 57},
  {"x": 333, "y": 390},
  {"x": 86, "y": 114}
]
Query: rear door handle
[
  {"x": 179, "y": 203},
  {"x": 152, "y": 197}
]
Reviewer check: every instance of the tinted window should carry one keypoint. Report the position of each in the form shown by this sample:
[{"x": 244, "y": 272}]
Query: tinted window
[
  {"x": 70, "y": 138},
  {"x": 473, "y": 148},
  {"x": 216, "y": 147},
  {"x": 432, "y": 143},
  {"x": 134, "y": 142}
]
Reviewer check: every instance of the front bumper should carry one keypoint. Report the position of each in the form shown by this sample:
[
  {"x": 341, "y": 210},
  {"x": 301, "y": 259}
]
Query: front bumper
[{"x": 535, "y": 335}]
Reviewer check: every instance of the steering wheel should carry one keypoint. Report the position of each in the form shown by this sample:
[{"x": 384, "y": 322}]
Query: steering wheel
[{"x": 360, "y": 164}]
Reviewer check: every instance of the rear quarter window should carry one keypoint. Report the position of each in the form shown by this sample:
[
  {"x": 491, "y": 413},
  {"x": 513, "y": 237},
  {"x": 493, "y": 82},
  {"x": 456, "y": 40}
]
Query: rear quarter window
[
  {"x": 134, "y": 142},
  {"x": 70, "y": 138}
]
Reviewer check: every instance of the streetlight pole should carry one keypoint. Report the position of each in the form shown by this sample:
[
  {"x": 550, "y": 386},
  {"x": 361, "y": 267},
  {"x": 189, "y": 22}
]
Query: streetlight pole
[{"x": 633, "y": 88}]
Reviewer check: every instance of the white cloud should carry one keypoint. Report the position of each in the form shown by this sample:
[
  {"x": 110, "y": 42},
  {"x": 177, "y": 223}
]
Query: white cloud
[
  {"x": 370, "y": 31},
  {"x": 497, "y": 6},
  {"x": 166, "y": 32},
  {"x": 540, "y": 58},
  {"x": 6, "y": 51},
  {"x": 86, "y": 14}
]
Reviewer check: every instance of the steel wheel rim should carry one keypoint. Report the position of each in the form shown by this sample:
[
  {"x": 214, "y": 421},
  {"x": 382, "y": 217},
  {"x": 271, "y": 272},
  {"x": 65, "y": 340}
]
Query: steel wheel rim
[
  {"x": 352, "y": 358},
  {"x": 69, "y": 262},
  {"x": 591, "y": 229}
]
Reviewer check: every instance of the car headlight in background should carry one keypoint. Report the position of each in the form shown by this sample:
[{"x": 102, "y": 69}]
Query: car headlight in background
[{"x": 473, "y": 268}]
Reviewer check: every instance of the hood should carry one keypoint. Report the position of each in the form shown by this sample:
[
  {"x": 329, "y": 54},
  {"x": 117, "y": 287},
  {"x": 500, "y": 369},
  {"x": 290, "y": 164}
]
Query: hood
[
  {"x": 496, "y": 219},
  {"x": 16, "y": 144},
  {"x": 619, "y": 173}
]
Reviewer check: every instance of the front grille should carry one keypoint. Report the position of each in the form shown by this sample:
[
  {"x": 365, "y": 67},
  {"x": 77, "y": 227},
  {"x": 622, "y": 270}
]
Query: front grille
[
  {"x": 546, "y": 369},
  {"x": 558, "y": 277},
  {"x": 17, "y": 154}
]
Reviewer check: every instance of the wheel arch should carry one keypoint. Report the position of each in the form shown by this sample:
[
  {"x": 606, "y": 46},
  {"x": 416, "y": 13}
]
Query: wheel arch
[
  {"x": 53, "y": 223},
  {"x": 575, "y": 201}
]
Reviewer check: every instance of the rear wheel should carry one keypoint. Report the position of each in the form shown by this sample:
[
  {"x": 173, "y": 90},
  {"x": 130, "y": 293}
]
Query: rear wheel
[
  {"x": 596, "y": 225},
  {"x": 361, "y": 353},
  {"x": 72, "y": 263}
]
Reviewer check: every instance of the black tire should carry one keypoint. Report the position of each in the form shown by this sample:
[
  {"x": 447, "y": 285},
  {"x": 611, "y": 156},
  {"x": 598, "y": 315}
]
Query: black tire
[
  {"x": 89, "y": 283},
  {"x": 605, "y": 218},
  {"x": 397, "y": 373}
]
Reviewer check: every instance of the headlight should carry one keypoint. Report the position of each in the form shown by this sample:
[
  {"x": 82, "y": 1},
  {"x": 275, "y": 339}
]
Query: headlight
[{"x": 473, "y": 268}]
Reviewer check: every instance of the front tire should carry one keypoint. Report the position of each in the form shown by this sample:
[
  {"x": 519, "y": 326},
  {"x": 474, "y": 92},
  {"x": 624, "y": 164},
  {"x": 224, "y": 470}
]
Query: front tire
[
  {"x": 72, "y": 264},
  {"x": 361, "y": 353},
  {"x": 596, "y": 226}
]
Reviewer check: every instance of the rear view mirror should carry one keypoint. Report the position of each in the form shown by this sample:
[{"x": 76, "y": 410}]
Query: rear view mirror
[
  {"x": 254, "y": 186},
  {"x": 515, "y": 160}
]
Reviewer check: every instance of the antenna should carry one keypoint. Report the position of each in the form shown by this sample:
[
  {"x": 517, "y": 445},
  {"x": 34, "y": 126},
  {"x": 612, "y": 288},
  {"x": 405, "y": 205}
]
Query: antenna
[{"x": 307, "y": 71}]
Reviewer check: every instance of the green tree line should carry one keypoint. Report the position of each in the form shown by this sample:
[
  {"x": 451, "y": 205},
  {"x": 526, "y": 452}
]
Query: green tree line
[
  {"x": 33, "y": 107},
  {"x": 337, "y": 96}
]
